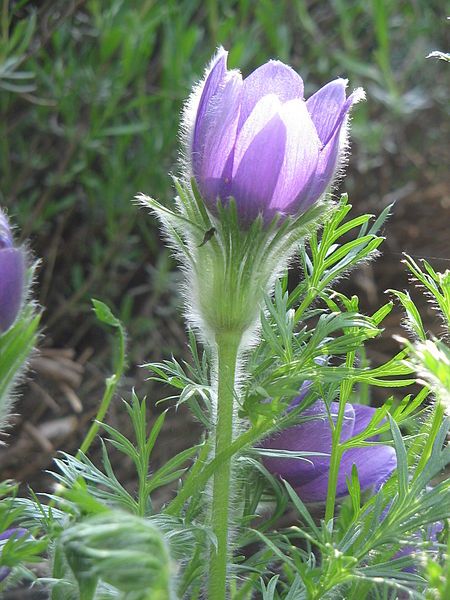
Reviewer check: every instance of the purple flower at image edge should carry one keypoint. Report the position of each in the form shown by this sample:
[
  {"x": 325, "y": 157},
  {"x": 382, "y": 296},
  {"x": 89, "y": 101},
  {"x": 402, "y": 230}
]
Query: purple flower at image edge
[
  {"x": 309, "y": 476},
  {"x": 257, "y": 140},
  {"x": 12, "y": 273},
  {"x": 5, "y": 535},
  {"x": 414, "y": 546},
  {"x": 431, "y": 536}
]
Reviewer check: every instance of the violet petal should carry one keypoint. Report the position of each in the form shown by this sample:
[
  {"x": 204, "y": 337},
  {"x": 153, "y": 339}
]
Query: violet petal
[
  {"x": 5, "y": 232},
  {"x": 300, "y": 157},
  {"x": 325, "y": 108},
  {"x": 375, "y": 464},
  {"x": 218, "y": 137},
  {"x": 215, "y": 78},
  {"x": 313, "y": 435},
  {"x": 274, "y": 77},
  {"x": 363, "y": 416},
  {"x": 16, "y": 531},
  {"x": 258, "y": 171},
  {"x": 329, "y": 155},
  {"x": 12, "y": 270}
]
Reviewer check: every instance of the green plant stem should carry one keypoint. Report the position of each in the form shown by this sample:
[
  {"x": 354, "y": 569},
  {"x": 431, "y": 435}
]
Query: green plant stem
[
  {"x": 335, "y": 461},
  {"x": 197, "y": 480},
  {"x": 110, "y": 389},
  {"x": 227, "y": 352},
  {"x": 336, "y": 450}
]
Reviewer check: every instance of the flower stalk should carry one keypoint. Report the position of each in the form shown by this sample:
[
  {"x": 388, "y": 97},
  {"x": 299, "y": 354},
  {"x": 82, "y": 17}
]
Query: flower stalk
[{"x": 227, "y": 354}]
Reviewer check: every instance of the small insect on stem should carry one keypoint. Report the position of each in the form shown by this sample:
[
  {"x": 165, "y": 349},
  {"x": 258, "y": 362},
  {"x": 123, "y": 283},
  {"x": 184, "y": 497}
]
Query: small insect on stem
[{"x": 208, "y": 236}]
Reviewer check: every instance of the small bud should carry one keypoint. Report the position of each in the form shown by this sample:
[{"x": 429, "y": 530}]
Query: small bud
[
  {"x": 122, "y": 550},
  {"x": 12, "y": 276}
]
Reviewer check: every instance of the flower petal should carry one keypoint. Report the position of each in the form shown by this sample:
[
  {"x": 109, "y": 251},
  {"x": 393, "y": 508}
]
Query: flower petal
[
  {"x": 217, "y": 72},
  {"x": 218, "y": 136},
  {"x": 330, "y": 154},
  {"x": 262, "y": 113},
  {"x": 12, "y": 269},
  {"x": 5, "y": 232},
  {"x": 313, "y": 435},
  {"x": 300, "y": 157},
  {"x": 375, "y": 464},
  {"x": 363, "y": 416},
  {"x": 13, "y": 531},
  {"x": 258, "y": 169},
  {"x": 325, "y": 108},
  {"x": 274, "y": 77}
]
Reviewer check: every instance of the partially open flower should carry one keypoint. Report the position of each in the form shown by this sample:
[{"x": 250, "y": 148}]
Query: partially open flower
[
  {"x": 258, "y": 141},
  {"x": 309, "y": 476},
  {"x": 12, "y": 273}
]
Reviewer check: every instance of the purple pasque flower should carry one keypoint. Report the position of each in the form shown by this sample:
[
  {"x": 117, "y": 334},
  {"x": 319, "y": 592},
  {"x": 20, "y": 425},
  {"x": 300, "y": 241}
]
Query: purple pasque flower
[
  {"x": 431, "y": 536},
  {"x": 258, "y": 141},
  {"x": 12, "y": 276},
  {"x": 416, "y": 542},
  {"x": 309, "y": 476},
  {"x": 5, "y": 535}
]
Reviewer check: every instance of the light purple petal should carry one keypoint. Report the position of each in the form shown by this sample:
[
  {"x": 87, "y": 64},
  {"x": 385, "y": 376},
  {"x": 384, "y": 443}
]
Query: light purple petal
[
  {"x": 218, "y": 137},
  {"x": 258, "y": 156},
  {"x": 329, "y": 155},
  {"x": 13, "y": 531},
  {"x": 263, "y": 112},
  {"x": 375, "y": 464},
  {"x": 214, "y": 79},
  {"x": 257, "y": 175},
  {"x": 313, "y": 435},
  {"x": 274, "y": 77},
  {"x": 433, "y": 531},
  {"x": 300, "y": 157},
  {"x": 5, "y": 232},
  {"x": 12, "y": 269},
  {"x": 363, "y": 416},
  {"x": 325, "y": 171},
  {"x": 325, "y": 108}
]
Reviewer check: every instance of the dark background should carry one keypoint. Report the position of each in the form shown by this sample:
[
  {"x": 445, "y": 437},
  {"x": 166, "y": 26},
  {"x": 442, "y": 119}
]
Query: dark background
[{"x": 90, "y": 97}]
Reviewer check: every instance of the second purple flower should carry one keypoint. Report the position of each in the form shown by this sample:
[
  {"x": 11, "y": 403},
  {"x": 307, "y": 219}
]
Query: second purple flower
[
  {"x": 258, "y": 141},
  {"x": 309, "y": 476}
]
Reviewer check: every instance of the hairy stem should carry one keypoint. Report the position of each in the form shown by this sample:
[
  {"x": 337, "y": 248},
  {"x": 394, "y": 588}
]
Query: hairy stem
[
  {"x": 197, "y": 479},
  {"x": 227, "y": 352}
]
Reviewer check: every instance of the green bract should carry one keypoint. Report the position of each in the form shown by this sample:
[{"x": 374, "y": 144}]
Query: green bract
[
  {"x": 121, "y": 550},
  {"x": 229, "y": 270}
]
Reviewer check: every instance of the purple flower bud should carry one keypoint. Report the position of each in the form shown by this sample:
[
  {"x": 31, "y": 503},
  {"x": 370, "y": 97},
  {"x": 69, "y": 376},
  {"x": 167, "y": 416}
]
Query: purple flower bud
[
  {"x": 309, "y": 476},
  {"x": 258, "y": 141},
  {"x": 12, "y": 274}
]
